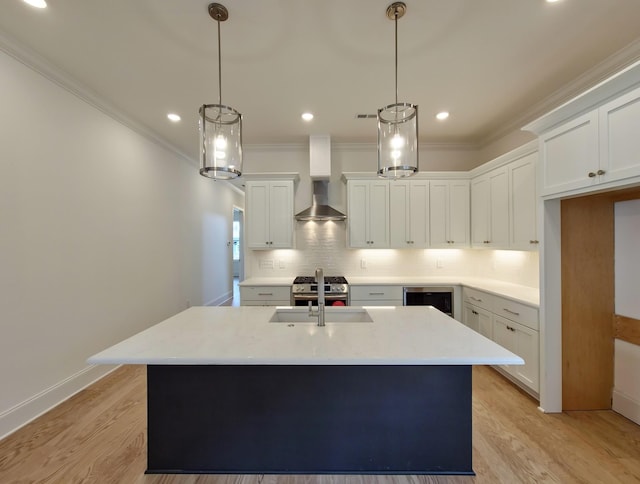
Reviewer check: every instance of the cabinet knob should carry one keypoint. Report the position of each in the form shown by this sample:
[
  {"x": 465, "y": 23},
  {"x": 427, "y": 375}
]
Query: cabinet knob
[
  {"x": 601, "y": 172},
  {"x": 591, "y": 174}
]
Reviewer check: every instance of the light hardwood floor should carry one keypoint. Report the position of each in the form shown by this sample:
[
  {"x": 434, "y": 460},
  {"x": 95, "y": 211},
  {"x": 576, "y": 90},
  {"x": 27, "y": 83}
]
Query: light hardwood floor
[{"x": 99, "y": 436}]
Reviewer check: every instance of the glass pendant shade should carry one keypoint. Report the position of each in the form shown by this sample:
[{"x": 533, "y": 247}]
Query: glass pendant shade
[
  {"x": 221, "y": 137},
  {"x": 397, "y": 140}
]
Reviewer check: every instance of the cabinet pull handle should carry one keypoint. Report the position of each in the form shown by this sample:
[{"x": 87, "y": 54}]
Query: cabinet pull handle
[
  {"x": 534, "y": 242},
  {"x": 474, "y": 312},
  {"x": 265, "y": 294},
  {"x": 475, "y": 298},
  {"x": 510, "y": 328},
  {"x": 511, "y": 312},
  {"x": 376, "y": 294},
  {"x": 592, "y": 174},
  {"x": 601, "y": 172}
]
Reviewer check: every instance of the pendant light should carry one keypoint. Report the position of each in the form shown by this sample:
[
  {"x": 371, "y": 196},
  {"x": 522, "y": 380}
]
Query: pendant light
[
  {"x": 220, "y": 125},
  {"x": 397, "y": 124}
]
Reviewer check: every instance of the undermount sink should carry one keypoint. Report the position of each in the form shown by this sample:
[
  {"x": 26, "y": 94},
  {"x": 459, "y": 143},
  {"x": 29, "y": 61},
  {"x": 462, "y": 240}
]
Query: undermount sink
[{"x": 331, "y": 315}]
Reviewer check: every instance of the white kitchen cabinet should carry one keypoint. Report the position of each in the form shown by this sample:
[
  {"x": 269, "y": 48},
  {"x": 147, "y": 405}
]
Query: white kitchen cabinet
[
  {"x": 269, "y": 214},
  {"x": 265, "y": 295},
  {"x": 523, "y": 212},
  {"x": 375, "y": 295},
  {"x": 478, "y": 319},
  {"x": 490, "y": 209},
  {"x": 524, "y": 342},
  {"x": 449, "y": 213},
  {"x": 511, "y": 324},
  {"x": 570, "y": 155},
  {"x": 409, "y": 214},
  {"x": 619, "y": 140},
  {"x": 368, "y": 216}
]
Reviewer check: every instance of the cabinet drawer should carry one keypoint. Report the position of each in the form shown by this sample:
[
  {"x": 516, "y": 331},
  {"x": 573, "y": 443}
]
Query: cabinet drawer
[
  {"x": 515, "y": 311},
  {"x": 477, "y": 298},
  {"x": 265, "y": 293},
  {"x": 375, "y": 293}
]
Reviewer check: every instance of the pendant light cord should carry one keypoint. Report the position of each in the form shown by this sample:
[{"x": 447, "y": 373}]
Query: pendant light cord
[
  {"x": 396, "y": 53},
  {"x": 220, "y": 67}
]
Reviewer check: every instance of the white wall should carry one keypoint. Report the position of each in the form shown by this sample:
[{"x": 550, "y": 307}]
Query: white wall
[
  {"x": 103, "y": 233},
  {"x": 626, "y": 394}
]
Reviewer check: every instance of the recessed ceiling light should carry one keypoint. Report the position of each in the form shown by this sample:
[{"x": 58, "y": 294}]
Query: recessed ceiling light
[
  {"x": 307, "y": 116},
  {"x": 174, "y": 117},
  {"x": 442, "y": 115},
  {"x": 552, "y": 1},
  {"x": 37, "y": 3}
]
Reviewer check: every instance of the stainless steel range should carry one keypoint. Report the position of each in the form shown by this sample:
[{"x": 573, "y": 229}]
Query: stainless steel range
[{"x": 305, "y": 289}]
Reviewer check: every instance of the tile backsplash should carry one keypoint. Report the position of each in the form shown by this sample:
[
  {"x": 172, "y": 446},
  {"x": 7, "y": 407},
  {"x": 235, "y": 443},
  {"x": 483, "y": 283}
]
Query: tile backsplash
[{"x": 323, "y": 244}]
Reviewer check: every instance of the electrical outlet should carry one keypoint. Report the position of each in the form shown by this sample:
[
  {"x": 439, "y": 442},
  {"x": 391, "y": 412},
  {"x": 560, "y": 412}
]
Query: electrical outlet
[
  {"x": 266, "y": 264},
  {"x": 281, "y": 264},
  {"x": 439, "y": 263},
  {"x": 363, "y": 263}
]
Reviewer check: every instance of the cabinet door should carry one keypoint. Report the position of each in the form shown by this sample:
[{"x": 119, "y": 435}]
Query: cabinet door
[
  {"x": 400, "y": 214},
  {"x": 418, "y": 214},
  {"x": 470, "y": 317},
  {"x": 458, "y": 216},
  {"x": 281, "y": 215},
  {"x": 505, "y": 336},
  {"x": 619, "y": 140},
  {"x": 257, "y": 215},
  {"x": 498, "y": 208},
  {"x": 358, "y": 213},
  {"x": 523, "y": 203},
  {"x": 569, "y": 155},
  {"x": 522, "y": 341},
  {"x": 480, "y": 223},
  {"x": 379, "y": 214},
  {"x": 438, "y": 214}
]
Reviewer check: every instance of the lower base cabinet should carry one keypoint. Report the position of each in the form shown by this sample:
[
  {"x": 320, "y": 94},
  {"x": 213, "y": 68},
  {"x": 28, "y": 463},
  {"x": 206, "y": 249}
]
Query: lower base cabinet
[
  {"x": 265, "y": 295},
  {"x": 513, "y": 326}
]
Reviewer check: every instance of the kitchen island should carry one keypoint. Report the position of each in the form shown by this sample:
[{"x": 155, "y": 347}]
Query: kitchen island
[{"x": 386, "y": 390}]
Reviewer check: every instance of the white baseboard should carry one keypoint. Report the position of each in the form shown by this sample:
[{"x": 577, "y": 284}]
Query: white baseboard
[
  {"x": 627, "y": 406},
  {"x": 219, "y": 300},
  {"x": 23, "y": 413}
]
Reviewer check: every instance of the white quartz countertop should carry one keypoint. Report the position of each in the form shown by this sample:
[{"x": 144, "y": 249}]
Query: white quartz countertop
[
  {"x": 516, "y": 292},
  {"x": 415, "y": 335}
]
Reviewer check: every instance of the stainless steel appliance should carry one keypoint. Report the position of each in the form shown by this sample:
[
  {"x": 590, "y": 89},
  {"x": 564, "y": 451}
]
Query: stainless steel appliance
[
  {"x": 440, "y": 298},
  {"x": 305, "y": 290}
]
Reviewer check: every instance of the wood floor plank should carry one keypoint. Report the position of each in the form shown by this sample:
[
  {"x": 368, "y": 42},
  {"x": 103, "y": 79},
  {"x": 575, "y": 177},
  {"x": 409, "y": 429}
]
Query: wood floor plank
[{"x": 99, "y": 436}]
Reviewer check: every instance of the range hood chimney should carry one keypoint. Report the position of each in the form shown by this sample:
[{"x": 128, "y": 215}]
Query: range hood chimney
[{"x": 320, "y": 171}]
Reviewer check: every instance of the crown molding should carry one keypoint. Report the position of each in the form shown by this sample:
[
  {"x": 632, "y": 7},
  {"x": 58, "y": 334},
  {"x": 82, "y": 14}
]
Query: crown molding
[
  {"x": 597, "y": 74},
  {"x": 62, "y": 79}
]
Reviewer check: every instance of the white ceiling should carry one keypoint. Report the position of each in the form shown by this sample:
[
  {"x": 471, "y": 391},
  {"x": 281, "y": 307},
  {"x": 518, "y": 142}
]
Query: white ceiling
[{"x": 494, "y": 64}]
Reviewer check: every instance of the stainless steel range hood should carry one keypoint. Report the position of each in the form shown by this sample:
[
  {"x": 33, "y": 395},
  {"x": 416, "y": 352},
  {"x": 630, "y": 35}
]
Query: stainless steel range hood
[
  {"x": 320, "y": 171},
  {"x": 320, "y": 209}
]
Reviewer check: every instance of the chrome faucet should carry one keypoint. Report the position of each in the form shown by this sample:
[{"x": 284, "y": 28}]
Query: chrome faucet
[{"x": 320, "y": 311}]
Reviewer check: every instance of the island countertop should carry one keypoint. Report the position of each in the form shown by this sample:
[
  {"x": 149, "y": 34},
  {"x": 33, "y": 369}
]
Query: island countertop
[{"x": 413, "y": 335}]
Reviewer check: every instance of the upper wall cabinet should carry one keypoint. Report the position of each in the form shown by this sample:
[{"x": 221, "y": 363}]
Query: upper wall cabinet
[
  {"x": 449, "y": 213},
  {"x": 409, "y": 214},
  {"x": 368, "y": 217},
  {"x": 523, "y": 202},
  {"x": 504, "y": 201},
  {"x": 490, "y": 209},
  {"x": 570, "y": 155},
  {"x": 269, "y": 214},
  {"x": 619, "y": 139},
  {"x": 591, "y": 142}
]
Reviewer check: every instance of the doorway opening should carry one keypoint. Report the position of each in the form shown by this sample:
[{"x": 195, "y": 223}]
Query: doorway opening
[{"x": 237, "y": 253}]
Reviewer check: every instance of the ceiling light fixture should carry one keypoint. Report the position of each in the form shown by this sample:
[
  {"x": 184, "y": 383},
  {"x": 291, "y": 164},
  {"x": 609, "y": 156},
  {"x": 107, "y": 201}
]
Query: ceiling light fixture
[
  {"x": 220, "y": 125},
  {"x": 307, "y": 116},
  {"x": 37, "y": 3},
  {"x": 397, "y": 124},
  {"x": 174, "y": 117},
  {"x": 442, "y": 115}
]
